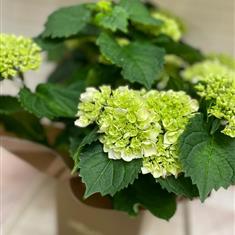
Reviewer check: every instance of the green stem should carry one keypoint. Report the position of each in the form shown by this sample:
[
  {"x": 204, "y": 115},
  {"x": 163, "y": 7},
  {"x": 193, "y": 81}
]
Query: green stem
[{"x": 21, "y": 76}]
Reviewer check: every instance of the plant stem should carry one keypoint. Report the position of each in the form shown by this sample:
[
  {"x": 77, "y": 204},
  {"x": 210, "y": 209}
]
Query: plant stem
[{"x": 21, "y": 76}]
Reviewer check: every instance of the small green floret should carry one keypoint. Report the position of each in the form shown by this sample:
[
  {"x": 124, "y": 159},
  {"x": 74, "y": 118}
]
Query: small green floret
[
  {"x": 170, "y": 26},
  {"x": 104, "y": 6},
  {"x": 17, "y": 55}
]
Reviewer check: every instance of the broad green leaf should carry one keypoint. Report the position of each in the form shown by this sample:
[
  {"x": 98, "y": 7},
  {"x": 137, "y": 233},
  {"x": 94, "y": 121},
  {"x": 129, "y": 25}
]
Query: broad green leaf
[
  {"x": 51, "y": 100},
  {"x": 106, "y": 176},
  {"x": 148, "y": 193},
  {"x": 208, "y": 159},
  {"x": 48, "y": 44},
  {"x": 140, "y": 62},
  {"x": 65, "y": 70},
  {"x": 181, "y": 186},
  {"x": 25, "y": 125},
  {"x": 127, "y": 200},
  {"x": 115, "y": 20},
  {"x": 181, "y": 49},
  {"x": 138, "y": 13},
  {"x": 104, "y": 74},
  {"x": 77, "y": 146},
  {"x": 67, "y": 21},
  {"x": 9, "y": 104}
]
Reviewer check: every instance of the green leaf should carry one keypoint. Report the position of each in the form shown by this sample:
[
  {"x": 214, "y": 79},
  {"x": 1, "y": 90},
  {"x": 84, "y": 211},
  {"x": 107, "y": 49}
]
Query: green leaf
[
  {"x": 138, "y": 13},
  {"x": 181, "y": 49},
  {"x": 51, "y": 100},
  {"x": 127, "y": 200},
  {"x": 181, "y": 186},
  {"x": 24, "y": 125},
  {"x": 48, "y": 44},
  {"x": 19, "y": 122},
  {"x": 140, "y": 62},
  {"x": 9, "y": 104},
  {"x": 67, "y": 21},
  {"x": 104, "y": 74},
  {"x": 216, "y": 124},
  {"x": 117, "y": 19},
  {"x": 148, "y": 193},
  {"x": 77, "y": 146},
  {"x": 106, "y": 176},
  {"x": 65, "y": 70},
  {"x": 208, "y": 159}
]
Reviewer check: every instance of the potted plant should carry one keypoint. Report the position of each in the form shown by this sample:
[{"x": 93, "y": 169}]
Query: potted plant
[{"x": 145, "y": 118}]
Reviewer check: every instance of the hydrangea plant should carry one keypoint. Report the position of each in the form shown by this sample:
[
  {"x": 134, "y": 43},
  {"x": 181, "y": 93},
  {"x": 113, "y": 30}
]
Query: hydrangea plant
[
  {"x": 146, "y": 117},
  {"x": 18, "y": 55}
]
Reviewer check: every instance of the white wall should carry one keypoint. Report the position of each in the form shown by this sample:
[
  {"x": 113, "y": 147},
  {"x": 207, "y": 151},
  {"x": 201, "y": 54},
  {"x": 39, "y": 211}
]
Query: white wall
[{"x": 210, "y": 22}]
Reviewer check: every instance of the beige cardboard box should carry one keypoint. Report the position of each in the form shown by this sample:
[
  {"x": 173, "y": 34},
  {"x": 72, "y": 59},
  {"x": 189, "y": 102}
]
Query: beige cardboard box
[{"x": 75, "y": 217}]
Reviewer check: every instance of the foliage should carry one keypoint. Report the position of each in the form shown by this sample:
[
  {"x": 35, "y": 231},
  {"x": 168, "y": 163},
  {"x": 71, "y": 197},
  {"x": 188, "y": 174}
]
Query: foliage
[
  {"x": 146, "y": 117},
  {"x": 145, "y": 192},
  {"x": 107, "y": 176},
  {"x": 208, "y": 159}
]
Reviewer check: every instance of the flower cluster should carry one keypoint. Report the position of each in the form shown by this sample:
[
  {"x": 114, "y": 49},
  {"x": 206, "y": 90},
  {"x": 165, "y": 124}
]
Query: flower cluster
[
  {"x": 17, "y": 55},
  {"x": 213, "y": 65},
  {"x": 170, "y": 27},
  {"x": 139, "y": 124},
  {"x": 92, "y": 102},
  {"x": 214, "y": 80},
  {"x": 219, "y": 90},
  {"x": 223, "y": 59},
  {"x": 172, "y": 110},
  {"x": 129, "y": 128}
]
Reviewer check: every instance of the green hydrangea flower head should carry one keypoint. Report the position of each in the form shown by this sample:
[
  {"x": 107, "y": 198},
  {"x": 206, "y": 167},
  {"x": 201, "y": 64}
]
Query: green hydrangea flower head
[
  {"x": 179, "y": 20},
  {"x": 223, "y": 59},
  {"x": 173, "y": 110},
  {"x": 18, "y": 55},
  {"x": 139, "y": 124},
  {"x": 104, "y": 6},
  {"x": 128, "y": 128},
  {"x": 219, "y": 91},
  {"x": 170, "y": 26},
  {"x": 215, "y": 65},
  {"x": 91, "y": 103}
]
